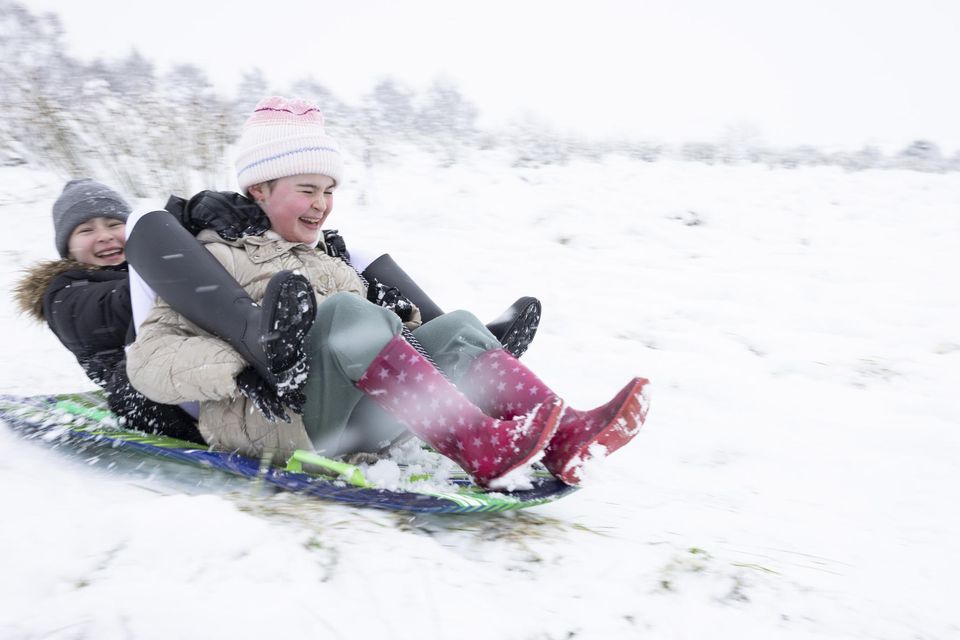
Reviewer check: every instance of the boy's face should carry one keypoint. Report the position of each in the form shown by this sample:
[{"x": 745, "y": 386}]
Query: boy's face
[
  {"x": 98, "y": 241},
  {"x": 297, "y": 206}
]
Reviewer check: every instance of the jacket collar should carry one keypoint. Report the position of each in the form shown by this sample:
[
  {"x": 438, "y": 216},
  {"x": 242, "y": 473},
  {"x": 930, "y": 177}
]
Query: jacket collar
[
  {"x": 264, "y": 247},
  {"x": 36, "y": 279}
]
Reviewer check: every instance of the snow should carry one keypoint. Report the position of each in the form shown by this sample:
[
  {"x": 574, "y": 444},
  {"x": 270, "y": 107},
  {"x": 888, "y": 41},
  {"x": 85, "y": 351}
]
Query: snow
[{"x": 797, "y": 476}]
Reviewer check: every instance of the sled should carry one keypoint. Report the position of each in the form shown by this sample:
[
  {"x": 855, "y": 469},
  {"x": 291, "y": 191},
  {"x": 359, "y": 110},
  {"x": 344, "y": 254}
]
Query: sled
[{"x": 83, "y": 420}]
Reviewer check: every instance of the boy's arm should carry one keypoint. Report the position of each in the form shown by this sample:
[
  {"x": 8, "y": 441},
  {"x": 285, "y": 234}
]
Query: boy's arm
[{"x": 88, "y": 313}]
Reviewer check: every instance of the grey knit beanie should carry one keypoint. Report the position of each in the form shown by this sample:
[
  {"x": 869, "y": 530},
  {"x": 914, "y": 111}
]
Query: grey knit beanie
[{"x": 83, "y": 200}]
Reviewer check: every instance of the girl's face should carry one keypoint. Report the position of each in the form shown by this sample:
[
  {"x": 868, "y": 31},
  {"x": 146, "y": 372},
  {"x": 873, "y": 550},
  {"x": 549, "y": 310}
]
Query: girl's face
[
  {"x": 98, "y": 241},
  {"x": 296, "y": 206}
]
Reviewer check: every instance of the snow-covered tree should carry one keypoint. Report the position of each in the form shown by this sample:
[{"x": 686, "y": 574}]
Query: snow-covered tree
[
  {"x": 390, "y": 110},
  {"x": 446, "y": 113},
  {"x": 921, "y": 155},
  {"x": 446, "y": 120},
  {"x": 38, "y": 81}
]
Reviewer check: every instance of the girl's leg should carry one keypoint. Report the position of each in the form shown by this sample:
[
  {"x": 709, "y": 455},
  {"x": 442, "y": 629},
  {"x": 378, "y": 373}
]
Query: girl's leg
[
  {"x": 348, "y": 334},
  {"x": 503, "y": 387},
  {"x": 454, "y": 340},
  {"x": 411, "y": 388},
  {"x": 496, "y": 382},
  {"x": 356, "y": 350},
  {"x": 370, "y": 427}
]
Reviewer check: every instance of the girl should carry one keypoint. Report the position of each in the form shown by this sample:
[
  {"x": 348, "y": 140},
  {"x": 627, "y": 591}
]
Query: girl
[{"x": 499, "y": 419}]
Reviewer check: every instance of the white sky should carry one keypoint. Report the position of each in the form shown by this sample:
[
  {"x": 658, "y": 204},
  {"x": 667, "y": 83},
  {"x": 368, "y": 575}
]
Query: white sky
[{"x": 844, "y": 72}]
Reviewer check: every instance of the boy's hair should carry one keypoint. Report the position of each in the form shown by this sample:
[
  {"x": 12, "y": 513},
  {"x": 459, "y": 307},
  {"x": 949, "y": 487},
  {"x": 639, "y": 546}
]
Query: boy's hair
[
  {"x": 285, "y": 138},
  {"x": 83, "y": 200}
]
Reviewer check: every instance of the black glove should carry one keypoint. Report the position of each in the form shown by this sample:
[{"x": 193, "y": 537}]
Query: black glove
[
  {"x": 143, "y": 414},
  {"x": 336, "y": 247},
  {"x": 230, "y": 214},
  {"x": 289, "y": 386},
  {"x": 389, "y": 298},
  {"x": 261, "y": 394}
]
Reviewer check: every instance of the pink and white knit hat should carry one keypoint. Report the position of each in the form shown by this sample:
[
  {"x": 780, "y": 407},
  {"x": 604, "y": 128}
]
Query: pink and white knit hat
[{"x": 285, "y": 138}]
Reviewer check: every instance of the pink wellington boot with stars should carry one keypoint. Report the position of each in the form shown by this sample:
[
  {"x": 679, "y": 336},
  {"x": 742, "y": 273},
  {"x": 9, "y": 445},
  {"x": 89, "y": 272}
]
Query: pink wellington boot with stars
[
  {"x": 411, "y": 389},
  {"x": 504, "y": 388}
]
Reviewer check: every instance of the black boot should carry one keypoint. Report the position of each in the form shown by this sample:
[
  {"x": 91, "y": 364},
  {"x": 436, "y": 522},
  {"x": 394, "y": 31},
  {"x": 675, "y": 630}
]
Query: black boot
[
  {"x": 386, "y": 271},
  {"x": 514, "y": 328},
  {"x": 269, "y": 336}
]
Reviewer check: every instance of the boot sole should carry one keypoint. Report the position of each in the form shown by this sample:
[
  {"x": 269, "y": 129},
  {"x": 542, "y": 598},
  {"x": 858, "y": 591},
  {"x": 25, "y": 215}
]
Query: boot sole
[
  {"x": 611, "y": 437},
  {"x": 517, "y": 326},
  {"x": 281, "y": 288}
]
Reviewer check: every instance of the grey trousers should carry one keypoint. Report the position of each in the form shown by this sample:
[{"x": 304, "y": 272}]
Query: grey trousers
[{"x": 347, "y": 336}]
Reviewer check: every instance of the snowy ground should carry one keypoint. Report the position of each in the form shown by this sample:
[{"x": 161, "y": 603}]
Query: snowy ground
[{"x": 797, "y": 478}]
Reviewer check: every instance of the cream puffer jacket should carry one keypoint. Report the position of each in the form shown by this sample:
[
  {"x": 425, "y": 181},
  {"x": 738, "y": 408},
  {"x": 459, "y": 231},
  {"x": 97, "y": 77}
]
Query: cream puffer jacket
[{"x": 174, "y": 361}]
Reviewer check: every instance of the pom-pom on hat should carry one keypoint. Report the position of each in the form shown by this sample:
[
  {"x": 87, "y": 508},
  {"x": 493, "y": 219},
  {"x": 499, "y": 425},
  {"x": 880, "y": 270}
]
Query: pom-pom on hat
[
  {"x": 283, "y": 138},
  {"x": 83, "y": 200}
]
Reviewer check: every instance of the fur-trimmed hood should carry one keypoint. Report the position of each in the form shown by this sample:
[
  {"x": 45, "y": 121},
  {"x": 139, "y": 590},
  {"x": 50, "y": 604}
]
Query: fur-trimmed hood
[{"x": 29, "y": 291}]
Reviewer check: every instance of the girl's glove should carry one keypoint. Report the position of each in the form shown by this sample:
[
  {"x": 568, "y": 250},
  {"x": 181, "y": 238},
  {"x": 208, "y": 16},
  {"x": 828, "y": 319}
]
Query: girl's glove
[
  {"x": 390, "y": 298},
  {"x": 336, "y": 247},
  {"x": 262, "y": 395},
  {"x": 272, "y": 401}
]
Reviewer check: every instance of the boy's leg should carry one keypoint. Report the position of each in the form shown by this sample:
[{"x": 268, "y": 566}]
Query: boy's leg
[
  {"x": 142, "y": 299},
  {"x": 142, "y": 296},
  {"x": 193, "y": 282},
  {"x": 515, "y": 328}
]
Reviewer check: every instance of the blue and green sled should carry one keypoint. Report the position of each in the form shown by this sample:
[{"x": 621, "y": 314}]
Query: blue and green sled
[{"x": 83, "y": 419}]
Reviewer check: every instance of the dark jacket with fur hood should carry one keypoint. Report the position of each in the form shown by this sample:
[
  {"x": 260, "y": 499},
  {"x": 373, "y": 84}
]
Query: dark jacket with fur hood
[{"x": 88, "y": 309}]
